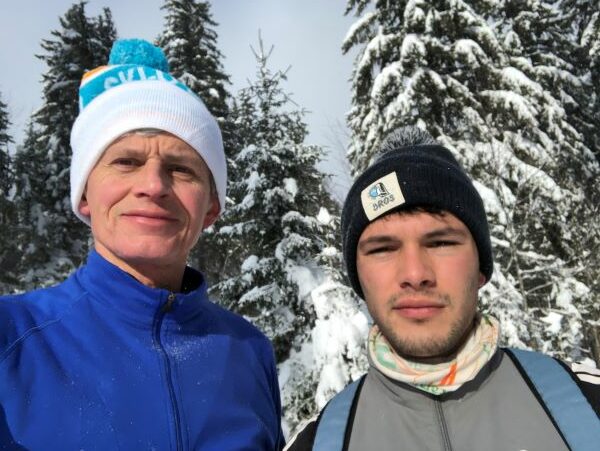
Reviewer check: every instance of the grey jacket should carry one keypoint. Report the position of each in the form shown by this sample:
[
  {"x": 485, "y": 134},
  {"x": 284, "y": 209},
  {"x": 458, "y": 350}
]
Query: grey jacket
[
  {"x": 497, "y": 411},
  {"x": 494, "y": 412}
]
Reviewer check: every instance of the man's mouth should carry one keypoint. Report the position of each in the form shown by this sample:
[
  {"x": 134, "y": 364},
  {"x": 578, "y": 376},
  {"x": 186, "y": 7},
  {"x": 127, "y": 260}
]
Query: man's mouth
[
  {"x": 418, "y": 308},
  {"x": 149, "y": 217}
]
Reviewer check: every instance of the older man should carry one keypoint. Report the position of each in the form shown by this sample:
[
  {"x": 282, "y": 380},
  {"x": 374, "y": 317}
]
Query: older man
[
  {"x": 128, "y": 353},
  {"x": 417, "y": 249}
]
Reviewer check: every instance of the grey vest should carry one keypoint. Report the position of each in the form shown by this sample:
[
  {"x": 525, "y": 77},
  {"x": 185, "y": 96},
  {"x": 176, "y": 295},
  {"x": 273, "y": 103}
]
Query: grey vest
[{"x": 496, "y": 411}]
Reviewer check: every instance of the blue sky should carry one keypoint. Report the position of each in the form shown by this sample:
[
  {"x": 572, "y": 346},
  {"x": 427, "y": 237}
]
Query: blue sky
[{"x": 306, "y": 35}]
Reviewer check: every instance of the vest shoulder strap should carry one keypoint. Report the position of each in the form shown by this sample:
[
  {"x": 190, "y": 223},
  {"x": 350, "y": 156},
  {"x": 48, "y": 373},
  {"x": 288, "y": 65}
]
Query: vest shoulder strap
[
  {"x": 333, "y": 421},
  {"x": 562, "y": 397}
]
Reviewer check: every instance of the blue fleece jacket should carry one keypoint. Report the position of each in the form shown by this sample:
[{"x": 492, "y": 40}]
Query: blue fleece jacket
[{"x": 102, "y": 362}]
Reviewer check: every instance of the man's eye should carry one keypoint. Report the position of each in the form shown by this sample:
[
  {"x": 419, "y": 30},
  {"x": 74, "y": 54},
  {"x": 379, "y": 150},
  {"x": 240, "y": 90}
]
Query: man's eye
[
  {"x": 379, "y": 250},
  {"x": 182, "y": 169},
  {"x": 126, "y": 162},
  {"x": 443, "y": 243}
]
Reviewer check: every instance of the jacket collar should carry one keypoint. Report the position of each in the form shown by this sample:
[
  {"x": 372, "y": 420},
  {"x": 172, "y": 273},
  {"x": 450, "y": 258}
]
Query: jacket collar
[
  {"x": 410, "y": 396},
  {"x": 133, "y": 300}
]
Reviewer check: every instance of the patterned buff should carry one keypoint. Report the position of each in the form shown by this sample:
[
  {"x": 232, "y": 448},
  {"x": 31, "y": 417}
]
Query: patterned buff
[{"x": 444, "y": 377}]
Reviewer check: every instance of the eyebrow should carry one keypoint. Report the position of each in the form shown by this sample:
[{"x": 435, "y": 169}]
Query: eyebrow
[
  {"x": 438, "y": 233},
  {"x": 178, "y": 158},
  {"x": 446, "y": 231},
  {"x": 169, "y": 157},
  {"x": 122, "y": 150}
]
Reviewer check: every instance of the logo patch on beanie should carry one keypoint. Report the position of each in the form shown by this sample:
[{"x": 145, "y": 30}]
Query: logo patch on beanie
[{"x": 381, "y": 196}]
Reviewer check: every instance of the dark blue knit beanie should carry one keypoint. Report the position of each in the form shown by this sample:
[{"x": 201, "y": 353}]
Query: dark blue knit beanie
[{"x": 412, "y": 175}]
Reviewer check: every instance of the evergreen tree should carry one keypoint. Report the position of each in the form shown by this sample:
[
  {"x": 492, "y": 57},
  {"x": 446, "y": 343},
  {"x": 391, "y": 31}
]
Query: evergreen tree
[
  {"x": 190, "y": 45},
  {"x": 333, "y": 353},
  {"x": 57, "y": 240},
  {"x": 273, "y": 227},
  {"x": 278, "y": 240},
  {"x": 7, "y": 210},
  {"x": 497, "y": 84},
  {"x": 579, "y": 44},
  {"x": 588, "y": 34}
]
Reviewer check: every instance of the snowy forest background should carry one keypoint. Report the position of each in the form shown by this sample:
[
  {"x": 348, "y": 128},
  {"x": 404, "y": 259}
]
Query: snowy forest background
[{"x": 512, "y": 87}]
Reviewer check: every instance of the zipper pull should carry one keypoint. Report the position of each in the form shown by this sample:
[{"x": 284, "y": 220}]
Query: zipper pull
[{"x": 169, "y": 304}]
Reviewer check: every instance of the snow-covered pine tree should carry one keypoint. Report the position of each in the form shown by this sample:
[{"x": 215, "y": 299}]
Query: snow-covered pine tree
[
  {"x": 333, "y": 354},
  {"x": 190, "y": 45},
  {"x": 279, "y": 239},
  {"x": 573, "y": 37},
  {"x": 189, "y": 41},
  {"x": 7, "y": 209},
  {"x": 580, "y": 45},
  {"x": 491, "y": 81},
  {"x": 588, "y": 34},
  {"x": 271, "y": 236},
  {"x": 54, "y": 241}
]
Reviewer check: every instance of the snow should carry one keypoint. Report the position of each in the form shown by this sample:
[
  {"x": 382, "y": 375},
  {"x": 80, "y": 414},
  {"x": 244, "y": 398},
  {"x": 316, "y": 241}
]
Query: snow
[
  {"x": 323, "y": 216},
  {"x": 412, "y": 48},
  {"x": 341, "y": 328},
  {"x": 554, "y": 321},
  {"x": 470, "y": 50},
  {"x": 515, "y": 103},
  {"x": 60, "y": 85},
  {"x": 492, "y": 204},
  {"x": 69, "y": 34},
  {"x": 305, "y": 278},
  {"x": 568, "y": 290},
  {"x": 512, "y": 40},
  {"x": 517, "y": 80},
  {"x": 330, "y": 251},
  {"x": 543, "y": 180},
  {"x": 250, "y": 264},
  {"x": 413, "y": 11},
  {"x": 385, "y": 78},
  {"x": 373, "y": 48},
  {"x": 253, "y": 181},
  {"x": 363, "y": 22},
  {"x": 291, "y": 186}
]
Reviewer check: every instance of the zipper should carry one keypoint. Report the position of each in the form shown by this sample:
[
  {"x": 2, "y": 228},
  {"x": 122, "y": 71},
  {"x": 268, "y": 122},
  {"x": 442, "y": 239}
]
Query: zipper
[
  {"x": 169, "y": 304},
  {"x": 166, "y": 308},
  {"x": 443, "y": 427}
]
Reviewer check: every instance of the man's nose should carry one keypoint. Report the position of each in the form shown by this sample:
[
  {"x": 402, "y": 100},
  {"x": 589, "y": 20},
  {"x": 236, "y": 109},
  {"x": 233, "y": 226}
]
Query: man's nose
[
  {"x": 415, "y": 268},
  {"x": 153, "y": 180}
]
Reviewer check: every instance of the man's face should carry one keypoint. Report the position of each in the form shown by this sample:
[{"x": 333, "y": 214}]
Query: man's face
[
  {"x": 149, "y": 198},
  {"x": 419, "y": 273}
]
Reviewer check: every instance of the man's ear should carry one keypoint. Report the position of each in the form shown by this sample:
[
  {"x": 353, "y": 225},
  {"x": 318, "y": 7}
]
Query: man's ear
[
  {"x": 84, "y": 207},
  {"x": 481, "y": 281},
  {"x": 213, "y": 212}
]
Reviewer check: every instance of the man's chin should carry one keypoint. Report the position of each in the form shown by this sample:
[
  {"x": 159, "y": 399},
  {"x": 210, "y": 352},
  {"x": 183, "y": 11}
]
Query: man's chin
[
  {"x": 428, "y": 349},
  {"x": 145, "y": 254}
]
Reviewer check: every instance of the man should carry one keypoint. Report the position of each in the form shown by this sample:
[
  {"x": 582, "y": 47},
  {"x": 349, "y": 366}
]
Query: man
[
  {"x": 128, "y": 353},
  {"x": 417, "y": 249}
]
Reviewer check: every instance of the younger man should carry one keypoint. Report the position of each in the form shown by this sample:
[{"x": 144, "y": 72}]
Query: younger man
[{"x": 417, "y": 249}]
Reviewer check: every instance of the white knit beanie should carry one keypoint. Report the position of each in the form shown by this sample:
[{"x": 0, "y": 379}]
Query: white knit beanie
[{"x": 135, "y": 91}]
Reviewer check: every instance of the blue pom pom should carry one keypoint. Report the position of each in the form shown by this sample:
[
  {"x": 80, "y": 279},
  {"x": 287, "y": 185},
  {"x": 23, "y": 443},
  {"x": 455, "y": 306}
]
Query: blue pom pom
[{"x": 139, "y": 53}]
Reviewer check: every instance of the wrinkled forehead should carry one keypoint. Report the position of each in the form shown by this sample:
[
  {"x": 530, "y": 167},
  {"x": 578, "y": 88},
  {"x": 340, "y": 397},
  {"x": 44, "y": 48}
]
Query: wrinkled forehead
[
  {"x": 174, "y": 142},
  {"x": 149, "y": 132}
]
